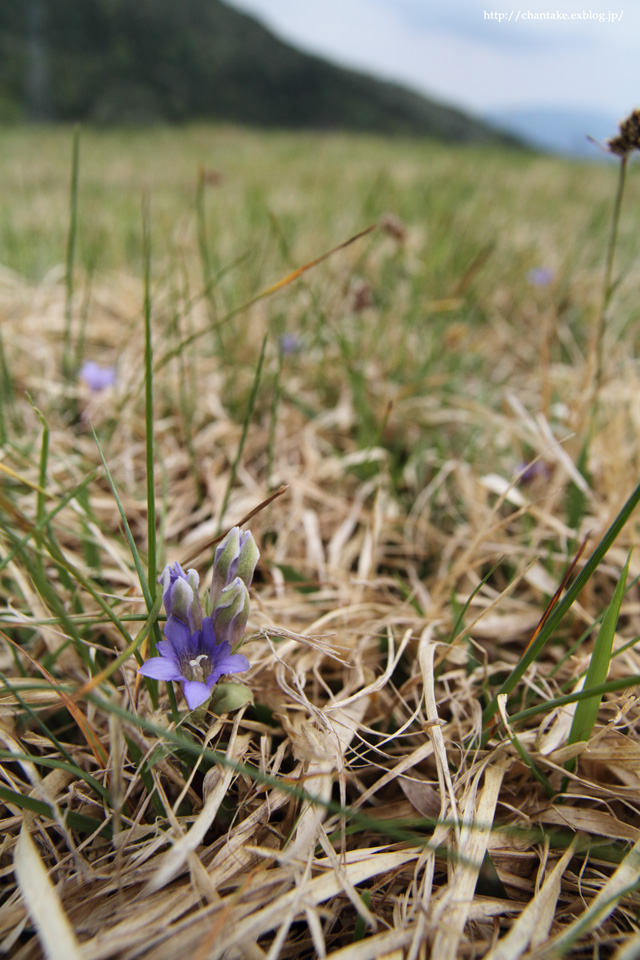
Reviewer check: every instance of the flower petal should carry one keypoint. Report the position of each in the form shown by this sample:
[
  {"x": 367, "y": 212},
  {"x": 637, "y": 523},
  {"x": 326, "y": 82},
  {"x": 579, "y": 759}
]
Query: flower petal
[
  {"x": 179, "y": 635},
  {"x": 165, "y": 649},
  {"x": 233, "y": 663},
  {"x": 208, "y": 642},
  {"x": 160, "y": 668},
  {"x": 196, "y": 693}
]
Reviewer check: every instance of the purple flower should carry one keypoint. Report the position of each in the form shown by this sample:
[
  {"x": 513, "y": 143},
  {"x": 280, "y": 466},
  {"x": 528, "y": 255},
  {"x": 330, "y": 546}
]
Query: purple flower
[
  {"x": 96, "y": 377},
  {"x": 195, "y": 659},
  {"x": 290, "y": 343},
  {"x": 540, "y": 277},
  {"x": 528, "y": 472},
  {"x": 191, "y": 654}
]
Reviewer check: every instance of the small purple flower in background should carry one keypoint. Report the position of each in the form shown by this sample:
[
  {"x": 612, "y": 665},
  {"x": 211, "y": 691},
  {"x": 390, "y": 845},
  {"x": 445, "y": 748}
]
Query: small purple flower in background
[
  {"x": 290, "y": 343},
  {"x": 198, "y": 650},
  {"x": 540, "y": 277},
  {"x": 528, "y": 472},
  {"x": 96, "y": 377}
]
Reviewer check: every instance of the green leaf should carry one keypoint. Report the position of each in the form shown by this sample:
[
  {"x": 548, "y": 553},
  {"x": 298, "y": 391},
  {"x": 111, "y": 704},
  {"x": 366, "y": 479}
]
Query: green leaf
[{"x": 230, "y": 696}]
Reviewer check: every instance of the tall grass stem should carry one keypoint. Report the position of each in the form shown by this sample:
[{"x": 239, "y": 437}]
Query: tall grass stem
[{"x": 67, "y": 356}]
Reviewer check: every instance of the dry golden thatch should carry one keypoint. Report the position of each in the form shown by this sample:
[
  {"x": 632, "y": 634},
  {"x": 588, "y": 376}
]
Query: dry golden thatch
[{"x": 428, "y": 837}]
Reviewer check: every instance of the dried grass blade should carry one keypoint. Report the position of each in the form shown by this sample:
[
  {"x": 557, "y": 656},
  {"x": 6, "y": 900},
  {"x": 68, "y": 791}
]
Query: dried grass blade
[
  {"x": 193, "y": 555},
  {"x": 174, "y": 860},
  {"x": 452, "y": 911},
  {"x": 554, "y": 599},
  {"x": 625, "y": 879},
  {"x": 312, "y": 263},
  {"x": 426, "y": 654},
  {"x": 263, "y": 293},
  {"x": 339, "y": 730},
  {"x": 28, "y": 483},
  {"x": 317, "y": 891},
  {"x": 629, "y": 950},
  {"x": 385, "y": 946},
  {"x": 56, "y": 933},
  {"x": 534, "y": 922}
]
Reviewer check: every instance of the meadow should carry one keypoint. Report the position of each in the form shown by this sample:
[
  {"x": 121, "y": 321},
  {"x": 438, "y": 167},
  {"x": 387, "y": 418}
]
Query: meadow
[{"x": 432, "y": 434}]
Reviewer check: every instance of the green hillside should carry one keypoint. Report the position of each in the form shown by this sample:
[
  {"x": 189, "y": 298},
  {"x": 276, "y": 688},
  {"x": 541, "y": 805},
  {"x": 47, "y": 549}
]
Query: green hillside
[{"x": 115, "y": 61}]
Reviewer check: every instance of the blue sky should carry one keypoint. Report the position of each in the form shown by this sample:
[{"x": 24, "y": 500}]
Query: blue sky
[{"x": 456, "y": 52}]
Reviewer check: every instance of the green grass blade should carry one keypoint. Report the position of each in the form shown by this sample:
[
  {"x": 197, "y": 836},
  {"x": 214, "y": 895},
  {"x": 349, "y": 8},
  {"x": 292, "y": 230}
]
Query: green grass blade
[
  {"x": 530, "y": 762},
  {"x": 37, "y": 719},
  {"x": 77, "y": 771},
  {"x": 142, "y": 577},
  {"x": 587, "y": 710},
  {"x": 148, "y": 380},
  {"x": 6, "y": 393},
  {"x": 75, "y": 820},
  {"x": 565, "y": 604},
  {"x": 72, "y": 494},
  {"x": 144, "y": 586},
  {"x": 611, "y": 686},
  {"x": 275, "y": 402},
  {"x": 135, "y": 644}
]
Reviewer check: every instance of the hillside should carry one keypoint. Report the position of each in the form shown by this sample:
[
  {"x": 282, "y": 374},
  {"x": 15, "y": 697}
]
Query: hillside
[{"x": 113, "y": 61}]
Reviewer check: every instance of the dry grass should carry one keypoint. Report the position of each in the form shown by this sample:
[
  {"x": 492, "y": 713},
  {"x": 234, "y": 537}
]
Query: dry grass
[{"x": 401, "y": 578}]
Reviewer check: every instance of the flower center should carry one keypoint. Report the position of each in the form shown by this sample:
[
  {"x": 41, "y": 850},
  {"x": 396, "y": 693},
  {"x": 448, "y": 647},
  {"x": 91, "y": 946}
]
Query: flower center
[{"x": 197, "y": 669}]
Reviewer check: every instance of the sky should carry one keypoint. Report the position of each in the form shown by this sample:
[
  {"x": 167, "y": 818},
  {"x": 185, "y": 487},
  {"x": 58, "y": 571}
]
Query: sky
[{"x": 482, "y": 55}]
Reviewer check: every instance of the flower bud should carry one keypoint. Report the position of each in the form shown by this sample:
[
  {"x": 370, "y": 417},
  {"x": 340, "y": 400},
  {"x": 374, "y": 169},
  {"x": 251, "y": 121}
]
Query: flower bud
[
  {"x": 231, "y": 612},
  {"x": 235, "y": 556},
  {"x": 180, "y": 595},
  {"x": 247, "y": 558}
]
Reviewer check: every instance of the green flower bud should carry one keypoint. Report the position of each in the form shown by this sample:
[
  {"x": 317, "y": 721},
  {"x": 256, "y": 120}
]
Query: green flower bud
[
  {"x": 235, "y": 556},
  {"x": 231, "y": 612}
]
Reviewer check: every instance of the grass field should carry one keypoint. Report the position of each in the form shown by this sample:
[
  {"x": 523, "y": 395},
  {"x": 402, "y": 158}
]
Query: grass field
[{"x": 435, "y": 751}]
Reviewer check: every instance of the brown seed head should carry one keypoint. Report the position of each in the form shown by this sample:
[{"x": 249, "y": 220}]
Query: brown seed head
[
  {"x": 394, "y": 226},
  {"x": 629, "y": 137},
  {"x": 361, "y": 297}
]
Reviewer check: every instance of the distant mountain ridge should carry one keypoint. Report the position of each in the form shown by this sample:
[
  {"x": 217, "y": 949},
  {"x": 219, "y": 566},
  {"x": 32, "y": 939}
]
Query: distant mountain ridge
[
  {"x": 120, "y": 61},
  {"x": 563, "y": 130}
]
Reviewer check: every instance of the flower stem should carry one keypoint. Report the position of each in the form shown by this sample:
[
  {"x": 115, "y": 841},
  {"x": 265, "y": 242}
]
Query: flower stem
[{"x": 608, "y": 282}]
